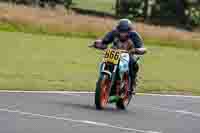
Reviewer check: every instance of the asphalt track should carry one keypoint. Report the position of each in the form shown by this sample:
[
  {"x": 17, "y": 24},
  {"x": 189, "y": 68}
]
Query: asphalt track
[{"x": 75, "y": 113}]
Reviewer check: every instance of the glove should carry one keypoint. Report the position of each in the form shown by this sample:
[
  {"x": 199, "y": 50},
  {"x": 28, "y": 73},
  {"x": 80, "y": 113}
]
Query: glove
[
  {"x": 98, "y": 44},
  {"x": 132, "y": 51}
]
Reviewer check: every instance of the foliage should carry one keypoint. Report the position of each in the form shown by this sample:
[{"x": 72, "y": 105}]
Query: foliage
[
  {"x": 67, "y": 3},
  {"x": 194, "y": 14},
  {"x": 129, "y": 8},
  {"x": 167, "y": 11}
]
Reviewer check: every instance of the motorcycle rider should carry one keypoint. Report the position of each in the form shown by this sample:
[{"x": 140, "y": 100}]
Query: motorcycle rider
[{"x": 124, "y": 36}]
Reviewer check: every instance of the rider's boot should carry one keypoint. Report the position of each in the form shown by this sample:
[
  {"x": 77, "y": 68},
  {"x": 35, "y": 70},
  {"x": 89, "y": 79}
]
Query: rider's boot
[
  {"x": 133, "y": 84},
  {"x": 134, "y": 67}
]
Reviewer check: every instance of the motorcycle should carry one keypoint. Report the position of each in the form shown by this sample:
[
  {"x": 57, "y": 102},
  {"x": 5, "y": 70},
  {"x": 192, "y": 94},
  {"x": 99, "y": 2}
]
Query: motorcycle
[{"x": 114, "y": 80}]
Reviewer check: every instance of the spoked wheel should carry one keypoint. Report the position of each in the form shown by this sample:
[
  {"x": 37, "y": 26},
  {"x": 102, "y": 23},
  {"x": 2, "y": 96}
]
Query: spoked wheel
[
  {"x": 102, "y": 92},
  {"x": 125, "y": 98}
]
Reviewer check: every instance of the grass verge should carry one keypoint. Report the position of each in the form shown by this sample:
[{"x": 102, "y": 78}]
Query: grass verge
[{"x": 40, "y": 62}]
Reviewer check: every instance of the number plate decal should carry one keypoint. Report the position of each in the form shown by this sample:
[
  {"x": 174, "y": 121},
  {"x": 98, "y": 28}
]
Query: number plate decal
[{"x": 112, "y": 56}]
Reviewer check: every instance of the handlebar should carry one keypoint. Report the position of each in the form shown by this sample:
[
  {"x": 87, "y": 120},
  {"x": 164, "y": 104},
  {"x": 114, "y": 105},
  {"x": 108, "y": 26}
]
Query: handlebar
[
  {"x": 93, "y": 46},
  {"x": 120, "y": 50}
]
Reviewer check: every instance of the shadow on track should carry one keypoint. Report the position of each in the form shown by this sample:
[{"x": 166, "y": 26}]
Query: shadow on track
[{"x": 91, "y": 107}]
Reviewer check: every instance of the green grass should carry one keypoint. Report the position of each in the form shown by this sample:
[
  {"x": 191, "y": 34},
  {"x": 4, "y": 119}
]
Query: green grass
[
  {"x": 33, "y": 62},
  {"x": 98, "y": 5},
  {"x": 170, "y": 70},
  {"x": 41, "y": 62}
]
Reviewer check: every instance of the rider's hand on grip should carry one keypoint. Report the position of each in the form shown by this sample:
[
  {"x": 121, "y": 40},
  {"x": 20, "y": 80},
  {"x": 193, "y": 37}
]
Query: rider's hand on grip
[
  {"x": 98, "y": 44},
  {"x": 132, "y": 51}
]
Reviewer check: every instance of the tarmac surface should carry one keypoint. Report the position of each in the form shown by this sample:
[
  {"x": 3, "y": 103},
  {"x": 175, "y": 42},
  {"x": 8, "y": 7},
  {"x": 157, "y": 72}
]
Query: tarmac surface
[{"x": 69, "y": 112}]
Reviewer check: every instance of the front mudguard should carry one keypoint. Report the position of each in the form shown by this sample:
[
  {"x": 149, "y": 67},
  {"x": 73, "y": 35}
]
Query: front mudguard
[
  {"x": 102, "y": 71},
  {"x": 112, "y": 74}
]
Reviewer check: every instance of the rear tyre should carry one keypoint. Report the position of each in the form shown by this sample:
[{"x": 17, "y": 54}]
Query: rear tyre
[{"x": 102, "y": 92}]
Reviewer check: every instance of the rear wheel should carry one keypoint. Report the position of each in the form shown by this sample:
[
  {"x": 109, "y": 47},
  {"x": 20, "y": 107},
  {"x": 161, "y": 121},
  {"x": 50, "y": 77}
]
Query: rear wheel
[{"x": 102, "y": 92}]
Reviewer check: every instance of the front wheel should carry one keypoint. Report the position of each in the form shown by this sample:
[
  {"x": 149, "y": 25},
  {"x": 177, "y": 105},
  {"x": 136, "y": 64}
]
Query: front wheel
[
  {"x": 125, "y": 97},
  {"x": 102, "y": 92}
]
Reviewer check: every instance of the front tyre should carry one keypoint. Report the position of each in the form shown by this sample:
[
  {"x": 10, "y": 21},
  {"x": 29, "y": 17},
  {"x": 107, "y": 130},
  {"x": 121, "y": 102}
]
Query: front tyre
[
  {"x": 102, "y": 92},
  {"x": 125, "y": 97}
]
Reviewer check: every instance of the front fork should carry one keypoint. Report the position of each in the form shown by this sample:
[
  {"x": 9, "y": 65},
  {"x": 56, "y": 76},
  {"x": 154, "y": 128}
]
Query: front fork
[{"x": 112, "y": 74}]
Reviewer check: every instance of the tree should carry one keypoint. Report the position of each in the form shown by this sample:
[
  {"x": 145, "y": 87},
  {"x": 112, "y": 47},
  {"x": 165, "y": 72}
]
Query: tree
[
  {"x": 67, "y": 4},
  {"x": 125, "y": 8},
  {"x": 178, "y": 12},
  {"x": 122, "y": 7},
  {"x": 146, "y": 7},
  {"x": 117, "y": 8},
  {"x": 180, "y": 8}
]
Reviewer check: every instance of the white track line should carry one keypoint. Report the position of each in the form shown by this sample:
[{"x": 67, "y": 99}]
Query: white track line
[
  {"x": 76, "y": 121},
  {"x": 70, "y": 93},
  {"x": 183, "y": 112},
  {"x": 77, "y": 93},
  {"x": 165, "y": 95}
]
